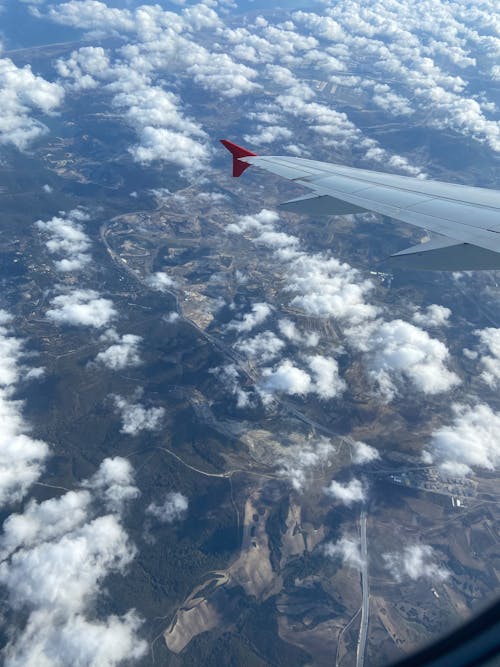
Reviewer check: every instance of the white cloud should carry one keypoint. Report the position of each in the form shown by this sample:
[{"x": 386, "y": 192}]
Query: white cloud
[
  {"x": 137, "y": 418},
  {"x": 268, "y": 134},
  {"x": 399, "y": 349},
  {"x": 262, "y": 348},
  {"x": 21, "y": 456},
  {"x": 67, "y": 239},
  {"x": 173, "y": 508},
  {"x": 353, "y": 492},
  {"x": 56, "y": 556},
  {"x": 321, "y": 286},
  {"x": 260, "y": 312},
  {"x": 171, "y": 318},
  {"x": 49, "y": 640},
  {"x": 325, "y": 287},
  {"x": 348, "y": 549},
  {"x": 259, "y": 222},
  {"x": 364, "y": 453},
  {"x": 404, "y": 47},
  {"x": 327, "y": 382},
  {"x": 24, "y": 94},
  {"x": 114, "y": 482},
  {"x": 277, "y": 239},
  {"x": 159, "y": 44},
  {"x": 289, "y": 330},
  {"x": 164, "y": 131},
  {"x": 123, "y": 353},
  {"x": 471, "y": 440},
  {"x": 489, "y": 358},
  {"x": 415, "y": 562},
  {"x": 160, "y": 281},
  {"x": 299, "y": 461},
  {"x": 219, "y": 73},
  {"x": 286, "y": 378},
  {"x": 433, "y": 316},
  {"x": 81, "y": 307},
  {"x": 92, "y": 15},
  {"x": 44, "y": 521}
]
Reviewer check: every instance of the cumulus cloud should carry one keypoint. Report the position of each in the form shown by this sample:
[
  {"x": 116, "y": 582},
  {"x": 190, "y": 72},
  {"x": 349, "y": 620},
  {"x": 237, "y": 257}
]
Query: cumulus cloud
[
  {"x": 268, "y": 134},
  {"x": 289, "y": 330},
  {"x": 472, "y": 439},
  {"x": 56, "y": 555},
  {"x": 321, "y": 286},
  {"x": 348, "y": 549},
  {"x": 114, "y": 483},
  {"x": 159, "y": 44},
  {"x": 260, "y": 312},
  {"x": 363, "y": 453},
  {"x": 171, "y": 318},
  {"x": 23, "y": 95},
  {"x": 21, "y": 456},
  {"x": 68, "y": 240},
  {"x": 433, "y": 316},
  {"x": 399, "y": 349},
  {"x": 173, "y": 508},
  {"x": 44, "y": 521},
  {"x": 81, "y": 307},
  {"x": 261, "y": 348},
  {"x": 160, "y": 281},
  {"x": 325, "y": 287},
  {"x": 418, "y": 69},
  {"x": 164, "y": 131},
  {"x": 489, "y": 355},
  {"x": 353, "y": 492},
  {"x": 326, "y": 379},
  {"x": 286, "y": 378},
  {"x": 417, "y": 58},
  {"x": 123, "y": 353},
  {"x": 415, "y": 562},
  {"x": 259, "y": 222},
  {"x": 299, "y": 461},
  {"x": 276, "y": 239},
  {"x": 137, "y": 418}
]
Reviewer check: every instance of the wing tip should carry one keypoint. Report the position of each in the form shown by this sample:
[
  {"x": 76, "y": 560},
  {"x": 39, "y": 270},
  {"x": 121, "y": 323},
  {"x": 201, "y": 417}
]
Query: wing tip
[{"x": 237, "y": 152}]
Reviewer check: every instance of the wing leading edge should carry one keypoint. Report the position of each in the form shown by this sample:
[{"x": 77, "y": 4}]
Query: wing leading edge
[{"x": 468, "y": 217}]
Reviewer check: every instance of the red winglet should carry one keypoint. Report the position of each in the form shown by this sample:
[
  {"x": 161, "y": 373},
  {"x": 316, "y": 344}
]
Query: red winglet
[{"x": 237, "y": 152}]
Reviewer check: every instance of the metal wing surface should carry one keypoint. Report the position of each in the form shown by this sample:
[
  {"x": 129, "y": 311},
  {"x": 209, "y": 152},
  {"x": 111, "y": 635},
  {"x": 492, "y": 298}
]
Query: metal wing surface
[{"x": 466, "y": 219}]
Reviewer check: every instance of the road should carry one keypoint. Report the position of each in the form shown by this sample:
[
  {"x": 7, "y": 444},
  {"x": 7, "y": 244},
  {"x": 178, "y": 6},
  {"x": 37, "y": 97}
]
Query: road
[{"x": 365, "y": 605}]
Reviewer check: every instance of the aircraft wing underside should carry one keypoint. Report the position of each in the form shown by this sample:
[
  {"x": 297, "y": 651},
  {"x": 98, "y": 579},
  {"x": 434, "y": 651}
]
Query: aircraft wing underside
[{"x": 466, "y": 219}]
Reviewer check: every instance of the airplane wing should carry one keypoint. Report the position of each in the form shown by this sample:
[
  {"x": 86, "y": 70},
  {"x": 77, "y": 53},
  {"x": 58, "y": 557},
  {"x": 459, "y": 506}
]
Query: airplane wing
[{"x": 465, "y": 219}]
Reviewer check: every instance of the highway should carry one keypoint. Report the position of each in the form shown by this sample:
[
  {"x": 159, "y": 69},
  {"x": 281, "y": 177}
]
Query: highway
[{"x": 365, "y": 605}]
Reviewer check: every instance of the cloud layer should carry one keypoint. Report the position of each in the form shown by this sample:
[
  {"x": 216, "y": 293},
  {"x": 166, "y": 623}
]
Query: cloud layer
[
  {"x": 23, "y": 95},
  {"x": 56, "y": 556},
  {"x": 21, "y": 456}
]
